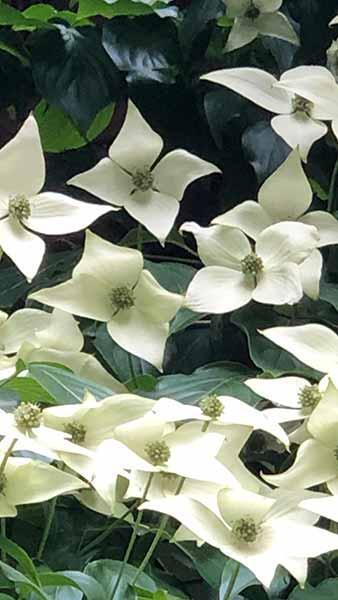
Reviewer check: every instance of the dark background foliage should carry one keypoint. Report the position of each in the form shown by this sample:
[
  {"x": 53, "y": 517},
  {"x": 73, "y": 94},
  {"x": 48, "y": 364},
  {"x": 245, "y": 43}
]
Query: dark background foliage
[{"x": 75, "y": 64}]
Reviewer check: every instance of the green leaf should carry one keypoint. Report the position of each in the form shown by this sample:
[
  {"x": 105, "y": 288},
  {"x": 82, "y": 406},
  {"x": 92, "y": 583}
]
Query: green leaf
[
  {"x": 197, "y": 17},
  {"x": 208, "y": 561},
  {"x": 58, "y": 133},
  {"x": 73, "y": 72},
  {"x": 40, "y": 12},
  {"x": 29, "y": 390},
  {"x": 5, "y": 597},
  {"x": 11, "y": 16},
  {"x": 146, "y": 49},
  {"x": 21, "y": 580},
  {"x": 221, "y": 378},
  {"x": 244, "y": 579},
  {"x": 64, "y": 386},
  {"x": 318, "y": 190},
  {"x": 329, "y": 293},
  {"x": 327, "y": 590},
  {"x": 21, "y": 557},
  {"x": 92, "y": 589},
  {"x": 106, "y": 573},
  {"x": 265, "y": 354},
  {"x": 119, "y": 8}
]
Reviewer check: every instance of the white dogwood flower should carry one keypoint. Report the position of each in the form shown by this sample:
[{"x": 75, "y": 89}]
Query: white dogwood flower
[
  {"x": 285, "y": 196},
  {"x": 131, "y": 177},
  {"x": 33, "y": 335},
  {"x": 235, "y": 272},
  {"x": 254, "y": 18},
  {"x": 109, "y": 284},
  {"x": 253, "y": 529},
  {"x": 23, "y": 208},
  {"x": 313, "y": 344},
  {"x": 299, "y": 116}
]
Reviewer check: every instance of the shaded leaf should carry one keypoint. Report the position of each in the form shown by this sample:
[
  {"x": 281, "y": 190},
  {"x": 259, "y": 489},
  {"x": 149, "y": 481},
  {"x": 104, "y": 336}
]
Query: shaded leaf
[
  {"x": 264, "y": 149},
  {"x": 106, "y": 573}
]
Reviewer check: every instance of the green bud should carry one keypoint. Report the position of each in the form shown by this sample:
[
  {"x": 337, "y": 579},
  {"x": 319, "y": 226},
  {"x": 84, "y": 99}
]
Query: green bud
[
  {"x": 122, "y": 298},
  {"x": 28, "y": 415},
  {"x": 212, "y": 407},
  {"x": 143, "y": 180},
  {"x": 302, "y": 105},
  {"x": 252, "y": 264},
  {"x": 246, "y": 530},
  {"x": 309, "y": 396},
  {"x": 19, "y": 207},
  {"x": 77, "y": 431},
  {"x": 158, "y": 453}
]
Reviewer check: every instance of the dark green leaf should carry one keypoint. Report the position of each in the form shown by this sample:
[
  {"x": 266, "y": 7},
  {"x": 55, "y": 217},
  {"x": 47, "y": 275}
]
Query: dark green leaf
[
  {"x": 146, "y": 49},
  {"x": 73, "y": 72},
  {"x": 29, "y": 390},
  {"x": 58, "y": 133},
  {"x": 90, "y": 8},
  {"x": 106, "y": 572},
  {"x": 21, "y": 580},
  {"x": 208, "y": 561},
  {"x": 327, "y": 590},
  {"x": 264, "y": 148},
  {"x": 198, "y": 15},
  {"x": 244, "y": 579},
  {"x": 21, "y": 558},
  {"x": 92, "y": 589},
  {"x": 63, "y": 386}
]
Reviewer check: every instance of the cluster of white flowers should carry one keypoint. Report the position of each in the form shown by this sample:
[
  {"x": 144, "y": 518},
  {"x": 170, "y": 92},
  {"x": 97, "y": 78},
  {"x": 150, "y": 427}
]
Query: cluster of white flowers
[{"x": 177, "y": 459}]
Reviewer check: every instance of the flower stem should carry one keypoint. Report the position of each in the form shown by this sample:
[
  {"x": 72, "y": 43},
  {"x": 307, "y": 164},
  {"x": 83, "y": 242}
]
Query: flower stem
[
  {"x": 139, "y": 237},
  {"x": 132, "y": 371},
  {"x": 47, "y": 528},
  {"x": 232, "y": 582},
  {"x": 331, "y": 205},
  {"x": 3, "y": 533},
  {"x": 6, "y": 456},
  {"x": 157, "y": 538},
  {"x": 133, "y": 537},
  {"x": 100, "y": 538}
]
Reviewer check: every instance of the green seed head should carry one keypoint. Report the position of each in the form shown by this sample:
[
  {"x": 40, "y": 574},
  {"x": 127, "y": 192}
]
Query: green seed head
[
  {"x": 252, "y": 264},
  {"x": 122, "y": 298},
  {"x": 212, "y": 407},
  {"x": 77, "y": 431},
  {"x": 19, "y": 207},
  {"x": 28, "y": 415},
  {"x": 302, "y": 105},
  {"x": 246, "y": 530},
  {"x": 158, "y": 453},
  {"x": 143, "y": 180},
  {"x": 309, "y": 396},
  {"x": 252, "y": 12}
]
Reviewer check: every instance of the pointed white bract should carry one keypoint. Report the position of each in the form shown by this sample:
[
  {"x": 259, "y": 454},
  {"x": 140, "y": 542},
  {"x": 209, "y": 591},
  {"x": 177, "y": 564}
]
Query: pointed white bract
[
  {"x": 131, "y": 176},
  {"x": 109, "y": 284},
  {"x": 302, "y": 98},
  {"x": 254, "y": 18},
  {"x": 235, "y": 272},
  {"x": 23, "y": 209}
]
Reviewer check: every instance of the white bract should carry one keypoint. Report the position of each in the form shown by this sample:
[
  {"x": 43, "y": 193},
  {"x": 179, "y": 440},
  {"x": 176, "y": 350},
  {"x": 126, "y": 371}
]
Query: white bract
[
  {"x": 315, "y": 345},
  {"x": 299, "y": 116},
  {"x": 248, "y": 528},
  {"x": 24, "y": 208},
  {"x": 33, "y": 335},
  {"x": 25, "y": 481},
  {"x": 257, "y": 17},
  {"x": 109, "y": 284},
  {"x": 317, "y": 458},
  {"x": 286, "y": 196},
  {"x": 130, "y": 177},
  {"x": 235, "y": 272}
]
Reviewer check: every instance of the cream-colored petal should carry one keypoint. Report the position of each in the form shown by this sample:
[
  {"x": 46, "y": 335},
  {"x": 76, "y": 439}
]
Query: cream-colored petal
[
  {"x": 281, "y": 390},
  {"x": 323, "y": 420},
  {"x": 177, "y": 169},
  {"x": 236, "y": 8},
  {"x": 24, "y": 248},
  {"x": 114, "y": 265},
  {"x": 154, "y": 301},
  {"x": 286, "y": 194},
  {"x": 22, "y": 165},
  {"x": 137, "y": 333},
  {"x": 236, "y": 504},
  {"x": 248, "y": 216},
  {"x": 155, "y": 210},
  {"x": 137, "y": 146},
  {"x": 268, "y": 6},
  {"x": 276, "y": 25},
  {"x": 254, "y": 84},
  {"x": 57, "y": 214},
  {"x": 218, "y": 245},
  {"x": 83, "y": 295},
  {"x": 315, "y": 345},
  {"x": 243, "y": 32},
  {"x": 314, "y": 464},
  {"x": 299, "y": 130},
  {"x": 106, "y": 181},
  {"x": 22, "y": 325},
  {"x": 61, "y": 333},
  {"x": 326, "y": 224},
  {"x": 279, "y": 285},
  {"x": 317, "y": 84},
  {"x": 310, "y": 271},
  {"x": 286, "y": 242},
  {"x": 218, "y": 290}
]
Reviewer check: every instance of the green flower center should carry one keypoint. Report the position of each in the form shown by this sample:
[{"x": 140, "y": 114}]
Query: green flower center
[
  {"x": 3, "y": 482},
  {"x": 158, "y": 453},
  {"x": 28, "y": 415},
  {"x": 122, "y": 298},
  {"x": 309, "y": 396},
  {"x": 252, "y": 264},
  {"x": 302, "y": 105},
  {"x": 252, "y": 12},
  {"x": 143, "y": 179},
  {"x": 19, "y": 207},
  {"x": 77, "y": 431},
  {"x": 246, "y": 530},
  {"x": 212, "y": 407}
]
